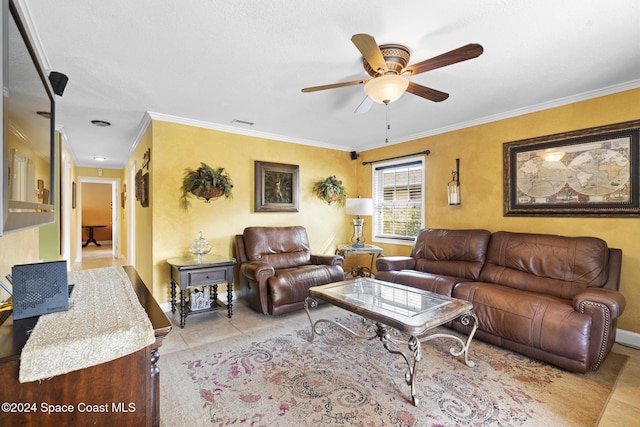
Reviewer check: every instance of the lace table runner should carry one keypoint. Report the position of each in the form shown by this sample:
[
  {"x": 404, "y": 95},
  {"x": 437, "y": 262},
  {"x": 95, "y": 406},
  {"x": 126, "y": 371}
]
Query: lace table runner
[{"x": 105, "y": 321}]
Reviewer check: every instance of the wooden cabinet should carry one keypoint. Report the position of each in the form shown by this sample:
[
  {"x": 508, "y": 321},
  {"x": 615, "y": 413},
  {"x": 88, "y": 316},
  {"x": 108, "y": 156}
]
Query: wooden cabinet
[{"x": 123, "y": 392}]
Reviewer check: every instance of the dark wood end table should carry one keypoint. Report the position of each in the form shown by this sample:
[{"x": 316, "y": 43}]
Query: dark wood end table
[{"x": 205, "y": 270}]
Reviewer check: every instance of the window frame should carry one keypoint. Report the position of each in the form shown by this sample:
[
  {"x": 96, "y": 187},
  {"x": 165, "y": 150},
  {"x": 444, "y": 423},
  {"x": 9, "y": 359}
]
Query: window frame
[{"x": 406, "y": 241}]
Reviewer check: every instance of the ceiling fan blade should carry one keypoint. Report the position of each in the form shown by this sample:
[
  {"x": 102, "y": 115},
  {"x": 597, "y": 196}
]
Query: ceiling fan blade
[
  {"x": 369, "y": 49},
  {"x": 364, "y": 106},
  {"x": 460, "y": 54},
  {"x": 334, "y": 85},
  {"x": 427, "y": 92}
]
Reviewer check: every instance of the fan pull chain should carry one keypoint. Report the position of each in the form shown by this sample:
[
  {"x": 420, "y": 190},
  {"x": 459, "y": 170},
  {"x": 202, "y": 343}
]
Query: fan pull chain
[{"x": 386, "y": 139}]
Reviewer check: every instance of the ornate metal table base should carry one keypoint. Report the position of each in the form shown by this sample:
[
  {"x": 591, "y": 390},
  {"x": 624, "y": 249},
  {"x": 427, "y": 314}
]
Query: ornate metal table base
[{"x": 385, "y": 335}]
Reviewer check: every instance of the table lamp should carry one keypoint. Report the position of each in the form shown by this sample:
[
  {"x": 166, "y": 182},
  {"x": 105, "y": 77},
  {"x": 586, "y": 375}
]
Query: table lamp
[{"x": 359, "y": 207}]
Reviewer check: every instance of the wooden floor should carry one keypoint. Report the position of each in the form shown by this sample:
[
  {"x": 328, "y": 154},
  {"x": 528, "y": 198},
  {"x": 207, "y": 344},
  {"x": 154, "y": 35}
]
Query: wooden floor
[{"x": 622, "y": 410}]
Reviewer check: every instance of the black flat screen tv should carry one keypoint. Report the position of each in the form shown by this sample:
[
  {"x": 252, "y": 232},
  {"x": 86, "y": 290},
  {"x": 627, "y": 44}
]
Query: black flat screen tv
[{"x": 28, "y": 111}]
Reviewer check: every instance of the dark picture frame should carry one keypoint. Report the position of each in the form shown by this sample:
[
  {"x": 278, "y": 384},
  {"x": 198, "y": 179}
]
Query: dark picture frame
[
  {"x": 588, "y": 172},
  {"x": 144, "y": 191},
  {"x": 138, "y": 180},
  {"x": 73, "y": 195},
  {"x": 276, "y": 187}
]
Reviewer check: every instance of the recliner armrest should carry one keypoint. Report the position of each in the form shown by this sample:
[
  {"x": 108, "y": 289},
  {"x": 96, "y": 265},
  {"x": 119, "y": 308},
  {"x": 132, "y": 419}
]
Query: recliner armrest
[
  {"x": 327, "y": 260},
  {"x": 613, "y": 300},
  {"x": 393, "y": 263},
  {"x": 257, "y": 271}
]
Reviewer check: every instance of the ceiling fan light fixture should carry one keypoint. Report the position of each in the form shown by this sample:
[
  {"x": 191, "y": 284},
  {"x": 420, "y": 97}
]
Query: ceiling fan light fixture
[{"x": 386, "y": 89}]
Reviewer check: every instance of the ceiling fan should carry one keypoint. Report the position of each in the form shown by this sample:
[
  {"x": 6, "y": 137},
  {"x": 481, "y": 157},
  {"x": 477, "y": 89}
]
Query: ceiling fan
[{"x": 387, "y": 64}]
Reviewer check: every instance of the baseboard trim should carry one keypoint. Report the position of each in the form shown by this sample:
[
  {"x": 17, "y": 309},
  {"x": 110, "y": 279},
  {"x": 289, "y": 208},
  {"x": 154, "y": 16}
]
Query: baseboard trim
[{"x": 628, "y": 338}]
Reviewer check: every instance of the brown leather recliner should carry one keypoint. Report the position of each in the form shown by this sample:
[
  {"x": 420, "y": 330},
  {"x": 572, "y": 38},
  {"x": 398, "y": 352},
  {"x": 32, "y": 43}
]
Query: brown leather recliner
[{"x": 277, "y": 268}]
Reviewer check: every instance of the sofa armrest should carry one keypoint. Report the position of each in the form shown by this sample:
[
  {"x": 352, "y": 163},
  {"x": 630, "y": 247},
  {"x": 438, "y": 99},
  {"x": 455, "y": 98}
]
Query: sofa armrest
[
  {"x": 392, "y": 263},
  {"x": 604, "y": 306},
  {"x": 327, "y": 260},
  {"x": 613, "y": 300}
]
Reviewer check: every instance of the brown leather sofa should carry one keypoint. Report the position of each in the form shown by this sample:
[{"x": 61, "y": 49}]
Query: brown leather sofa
[
  {"x": 553, "y": 298},
  {"x": 277, "y": 268}
]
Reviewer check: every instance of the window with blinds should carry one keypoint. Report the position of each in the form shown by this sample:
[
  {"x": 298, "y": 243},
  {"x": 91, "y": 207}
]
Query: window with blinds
[{"x": 398, "y": 189}]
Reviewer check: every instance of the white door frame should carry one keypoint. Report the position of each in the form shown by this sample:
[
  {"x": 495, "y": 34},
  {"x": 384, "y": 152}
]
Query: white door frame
[
  {"x": 115, "y": 222},
  {"x": 130, "y": 212},
  {"x": 66, "y": 212}
]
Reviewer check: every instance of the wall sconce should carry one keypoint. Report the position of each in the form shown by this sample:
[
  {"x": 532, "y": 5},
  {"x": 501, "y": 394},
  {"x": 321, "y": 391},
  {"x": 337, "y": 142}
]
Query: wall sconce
[
  {"x": 453, "y": 187},
  {"x": 359, "y": 207}
]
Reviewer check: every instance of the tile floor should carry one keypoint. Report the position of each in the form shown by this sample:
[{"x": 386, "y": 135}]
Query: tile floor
[{"x": 622, "y": 410}]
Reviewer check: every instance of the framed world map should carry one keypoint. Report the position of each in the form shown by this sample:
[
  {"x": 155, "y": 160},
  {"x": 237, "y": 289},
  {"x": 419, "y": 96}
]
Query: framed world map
[{"x": 581, "y": 173}]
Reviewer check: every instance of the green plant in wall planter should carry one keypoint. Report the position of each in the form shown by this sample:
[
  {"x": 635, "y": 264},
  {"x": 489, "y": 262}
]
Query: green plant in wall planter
[
  {"x": 330, "y": 190},
  {"x": 204, "y": 183}
]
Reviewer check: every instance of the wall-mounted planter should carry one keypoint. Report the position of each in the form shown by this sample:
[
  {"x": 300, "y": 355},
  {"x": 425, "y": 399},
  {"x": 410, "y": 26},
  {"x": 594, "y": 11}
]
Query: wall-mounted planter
[{"x": 204, "y": 183}]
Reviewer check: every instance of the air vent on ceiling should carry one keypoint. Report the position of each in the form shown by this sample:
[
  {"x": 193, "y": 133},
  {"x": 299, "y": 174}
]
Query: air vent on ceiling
[{"x": 242, "y": 122}]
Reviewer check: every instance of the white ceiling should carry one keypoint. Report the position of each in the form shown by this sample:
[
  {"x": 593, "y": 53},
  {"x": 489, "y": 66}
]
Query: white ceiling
[{"x": 208, "y": 62}]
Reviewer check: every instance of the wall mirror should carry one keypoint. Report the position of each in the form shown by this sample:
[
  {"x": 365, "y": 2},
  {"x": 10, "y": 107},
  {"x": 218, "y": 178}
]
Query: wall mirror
[{"x": 27, "y": 129}]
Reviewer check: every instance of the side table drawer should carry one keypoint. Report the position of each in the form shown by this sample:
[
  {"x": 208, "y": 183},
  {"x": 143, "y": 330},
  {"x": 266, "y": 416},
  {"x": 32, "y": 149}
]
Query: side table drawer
[{"x": 208, "y": 277}]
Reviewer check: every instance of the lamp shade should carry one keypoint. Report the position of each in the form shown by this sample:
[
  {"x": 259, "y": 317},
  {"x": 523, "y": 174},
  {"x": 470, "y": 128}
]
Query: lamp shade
[
  {"x": 359, "y": 206},
  {"x": 386, "y": 89}
]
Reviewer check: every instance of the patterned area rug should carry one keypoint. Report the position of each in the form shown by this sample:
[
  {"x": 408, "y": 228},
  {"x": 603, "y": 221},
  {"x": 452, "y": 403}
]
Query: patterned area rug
[{"x": 281, "y": 379}]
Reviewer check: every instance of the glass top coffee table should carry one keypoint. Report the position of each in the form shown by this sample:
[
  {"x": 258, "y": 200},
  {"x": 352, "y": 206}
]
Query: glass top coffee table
[{"x": 391, "y": 306}]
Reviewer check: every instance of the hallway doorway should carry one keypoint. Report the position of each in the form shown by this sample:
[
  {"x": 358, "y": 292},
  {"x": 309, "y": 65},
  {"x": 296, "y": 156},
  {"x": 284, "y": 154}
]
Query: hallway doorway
[{"x": 98, "y": 218}]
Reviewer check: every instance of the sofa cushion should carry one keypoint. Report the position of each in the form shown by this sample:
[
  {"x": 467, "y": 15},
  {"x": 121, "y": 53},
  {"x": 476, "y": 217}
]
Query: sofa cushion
[
  {"x": 442, "y": 285},
  {"x": 292, "y": 285},
  {"x": 280, "y": 247},
  {"x": 457, "y": 253},
  {"x": 539, "y": 321},
  {"x": 543, "y": 263}
]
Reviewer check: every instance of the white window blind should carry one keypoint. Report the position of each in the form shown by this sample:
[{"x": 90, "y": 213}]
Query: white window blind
[{"x": 398, "y": 189}]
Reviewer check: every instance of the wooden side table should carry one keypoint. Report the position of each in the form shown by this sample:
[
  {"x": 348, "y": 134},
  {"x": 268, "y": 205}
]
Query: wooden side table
[
  {"x": 91, "y": 239},
  {"x": 374, "y": 251},
  {"x": 206, "y": 270}
]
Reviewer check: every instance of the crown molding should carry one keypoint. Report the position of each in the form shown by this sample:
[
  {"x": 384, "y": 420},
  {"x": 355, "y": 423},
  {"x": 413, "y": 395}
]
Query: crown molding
[
  {"x": 240, "y": 131},
  {"x": 609, "y": 90},
  {"x": 30, "y": 27},
  {"x": 142, "y": 129},
  {"x": 149, "y": 116}
]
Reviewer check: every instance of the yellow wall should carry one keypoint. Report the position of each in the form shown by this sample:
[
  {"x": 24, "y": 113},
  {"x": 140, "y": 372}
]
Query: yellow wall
[
  {"x": 480, "y": 151},
  {"x": 176, "y": 147},
  {"x": 143, "y": 222}
]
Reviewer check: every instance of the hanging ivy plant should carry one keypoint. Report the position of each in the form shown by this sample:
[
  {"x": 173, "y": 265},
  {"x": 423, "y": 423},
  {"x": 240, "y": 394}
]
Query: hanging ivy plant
[
  {"x": 204, "y": 183},
  {"x": 330, "y": 190}
]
